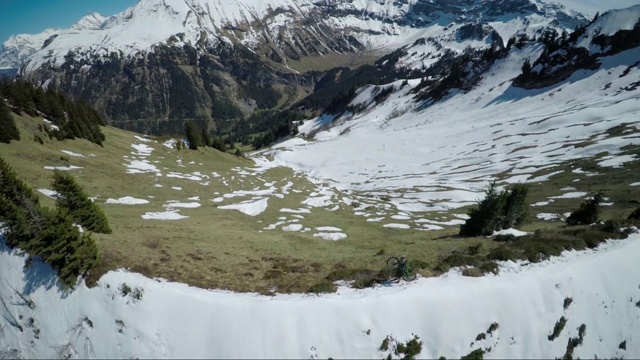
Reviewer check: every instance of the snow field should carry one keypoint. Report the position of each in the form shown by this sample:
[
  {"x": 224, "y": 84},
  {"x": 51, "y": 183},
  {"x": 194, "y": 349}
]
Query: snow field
[{"x": 447, "y": 313}]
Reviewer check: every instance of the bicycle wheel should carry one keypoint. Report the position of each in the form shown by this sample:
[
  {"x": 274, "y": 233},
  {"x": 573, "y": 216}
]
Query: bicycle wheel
[
  {"x": 409, "y": 275},
  {"x": 392, "y": 268},
  {"x": 392, "y": 263}
]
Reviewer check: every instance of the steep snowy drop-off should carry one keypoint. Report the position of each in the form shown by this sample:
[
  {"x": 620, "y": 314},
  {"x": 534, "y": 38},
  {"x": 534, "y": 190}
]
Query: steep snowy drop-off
[{"x": 447, "y": 313}]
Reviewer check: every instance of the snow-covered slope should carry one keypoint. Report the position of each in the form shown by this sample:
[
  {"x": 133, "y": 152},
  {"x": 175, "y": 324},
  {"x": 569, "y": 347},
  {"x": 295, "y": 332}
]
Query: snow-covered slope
[
  {"x": 158, "y": 319},
  {"x": 448, "y": 152}
]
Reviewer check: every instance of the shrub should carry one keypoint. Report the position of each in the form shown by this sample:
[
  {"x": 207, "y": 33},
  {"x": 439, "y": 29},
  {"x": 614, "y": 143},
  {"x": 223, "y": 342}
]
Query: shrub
[
  {"x": 74, "y": 200},
  {"x": 475, "y": 249},
  {"x": 612, "y": 226},
  {"x": 635, "y": 215},
  {"x": 489, "y": 267},
  {"x": 361, "y": 278},
  {"x": 557, "y": 328},
  {"x": 493, "y": 327},
  {"x": 324, "y": 286},
  {"x": 410, "y": 349},
  {"x": 477, "y": 354},
  {"x": 503, "y": 253},
  {"x": 567, "y": 302},
  {"x": 588, "y": 211},
  {"x": 497, "y": 211},
  {"x": 385, "y": 344}
]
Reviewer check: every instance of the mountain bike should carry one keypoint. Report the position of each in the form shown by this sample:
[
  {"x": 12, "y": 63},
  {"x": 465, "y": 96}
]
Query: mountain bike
[{"x": 392, "y": 267}]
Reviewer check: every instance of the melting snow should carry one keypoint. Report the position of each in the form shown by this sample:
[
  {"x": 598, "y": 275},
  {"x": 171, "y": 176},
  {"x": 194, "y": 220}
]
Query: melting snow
[
  {"x": 166, "y": 215},
  {"x": 63, "y": 168},
  {"x": 513, "y": 232},
  {"x": 128, "y": 200},
  {"x": 250, "y": 207},
  {"x": 176, "y": 204},
  {"x": 49, "y": 193},
  {"x": 331, "y": 235},
  {"x": 328, "y": 228},
  {"x": 71, "y": 153}
]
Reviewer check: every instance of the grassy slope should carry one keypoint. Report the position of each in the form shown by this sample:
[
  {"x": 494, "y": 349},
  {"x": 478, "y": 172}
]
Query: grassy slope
[{"x": 216, "y": 248}]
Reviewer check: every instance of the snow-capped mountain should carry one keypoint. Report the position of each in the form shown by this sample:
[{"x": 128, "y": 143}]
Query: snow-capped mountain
[
  {"x": 238, "y": 51},
  {"x": 19, "y": 47}
]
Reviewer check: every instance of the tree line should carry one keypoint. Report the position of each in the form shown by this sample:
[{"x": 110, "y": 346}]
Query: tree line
[{"x": 74, "y": 119}]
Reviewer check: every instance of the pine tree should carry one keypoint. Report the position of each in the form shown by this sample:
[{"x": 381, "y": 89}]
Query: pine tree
[
  {"x": 8, "y": 129},
  {"x": 48, "y": 234},
  {"x": 526, "y": 67},
  {"x": 73, "y": 199},
  {"x": 192, "y": 134}
]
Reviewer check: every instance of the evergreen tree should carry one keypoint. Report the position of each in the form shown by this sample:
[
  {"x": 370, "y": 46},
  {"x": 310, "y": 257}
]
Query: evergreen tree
[
  {"x": 192, "y": 134},
  {"x": 41, "y": 232},
  {"x": 497, "y": 211},
  {"x": 73, "y": 199},
  {"x": 526, "y": 67},
  {"x": 588, "y": 211},
  {"x": 206, "y": 138},
  {"x": 8, "y": 129}
]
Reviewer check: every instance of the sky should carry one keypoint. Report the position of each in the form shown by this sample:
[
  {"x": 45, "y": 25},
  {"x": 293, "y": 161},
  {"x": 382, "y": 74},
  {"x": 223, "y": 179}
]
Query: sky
[{"x": 34, "y": 16}]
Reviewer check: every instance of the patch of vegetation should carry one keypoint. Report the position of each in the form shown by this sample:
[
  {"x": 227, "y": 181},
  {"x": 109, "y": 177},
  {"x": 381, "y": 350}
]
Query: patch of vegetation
[
  {"x": 46, "y": 234},
  {"x": 8, "y": 129},
  {"x": 124, "y": 289},
  {"x": 503, "y": 253},
  {"x": 73, "y": 119},
  {"x": 135, "y": 294},
  {"x": 74, "y": 200},
  {"x": 497, "y": 211},
  {"x": 120, "y": 326},
  {"x": 588, "y": 211},
  {"x": 573, "y": 343},
  {"x": 567, "y": 302},
  {"x": 410, "y": 349},
  {"x": 359, "y": 278},
  {"x": 493, "y": 327},
  {"x": 198, "y": 136},
  {"x": 481, "y": 336},
  {"x": 323, "y": 286},
  {"x": 385, "y": 344},
  {"x": 477, "y": 354},
  {"x": 635, "y": 214},
  {"x": 623, "y": 345},
  {"x": 557, "y": 328}
]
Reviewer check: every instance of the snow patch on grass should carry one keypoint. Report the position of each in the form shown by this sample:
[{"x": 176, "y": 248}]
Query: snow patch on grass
[
  {"x": 127, "y": 200},
  {"x": 250, "y": 207}
]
